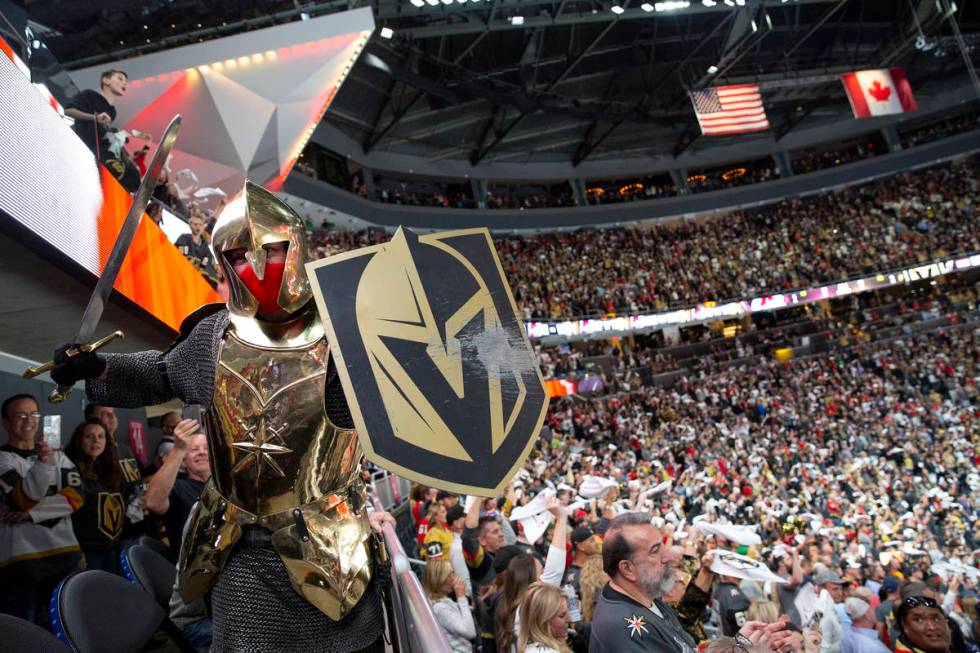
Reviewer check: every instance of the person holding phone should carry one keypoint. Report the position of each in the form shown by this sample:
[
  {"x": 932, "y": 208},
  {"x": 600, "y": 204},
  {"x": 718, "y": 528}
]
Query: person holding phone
[
  {"x": 39, "y": 491},
  {"x": 170, "y": 493}
]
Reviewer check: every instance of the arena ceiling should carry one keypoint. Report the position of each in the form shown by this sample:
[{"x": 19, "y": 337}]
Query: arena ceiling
[{"x": 563, "y": 80}]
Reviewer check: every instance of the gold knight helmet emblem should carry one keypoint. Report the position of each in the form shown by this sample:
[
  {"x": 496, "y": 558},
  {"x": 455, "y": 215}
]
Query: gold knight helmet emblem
[{"x": 441, "y": 380}]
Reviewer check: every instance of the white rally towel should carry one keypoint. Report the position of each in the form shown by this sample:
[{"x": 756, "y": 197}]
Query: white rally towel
[
  {"x": 534, "y": 516},
  {"x": 593, "y": 487},
  {"x": 743, "y": 535},
  {"x": 661, "y": 487},
  {"x": 729, "y": 563}
]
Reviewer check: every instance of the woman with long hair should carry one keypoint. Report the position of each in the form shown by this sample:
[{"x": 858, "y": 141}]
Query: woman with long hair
[
  {"x": 523, "y": 570},
  {"x": 438, "y": 537},
  {"x": 591, "y": 581},
  {"x": 416, "y": 502},
  {"x": 98, "y": 524},
  {"x": 452, "y": 613},
  {"x": 544, "y": 620}
]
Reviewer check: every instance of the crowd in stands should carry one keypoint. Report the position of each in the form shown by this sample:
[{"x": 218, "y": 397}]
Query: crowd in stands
[
  {"x": 78, "y": 508},
  {"x": 798, "y": 505},
  {"x": 904, "y": 220},
  {"x": 816, "y": 496},
  {"x": 800, "y": 243},
  {"x": 407, "y": 197},
  {"x": 738, "y": 175},
  {"x": 521, "y": 201},
  {"x": 942, "y": 129},
  {"x": 829, "y": 503},
  {"x": 812, "y": 161},
  {"x": 619, "y": 191},
  {"x": 699, "y": 349}
]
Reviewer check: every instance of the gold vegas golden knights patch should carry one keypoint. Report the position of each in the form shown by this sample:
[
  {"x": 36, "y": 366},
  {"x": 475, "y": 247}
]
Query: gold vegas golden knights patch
[
  {"x": 437, "y": 369},
  {"x": 110, "y": 513}
]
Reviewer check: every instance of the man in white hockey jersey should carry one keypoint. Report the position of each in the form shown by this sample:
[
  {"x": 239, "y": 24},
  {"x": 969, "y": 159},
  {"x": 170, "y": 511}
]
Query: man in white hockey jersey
[{"x": 39, "y": 490}]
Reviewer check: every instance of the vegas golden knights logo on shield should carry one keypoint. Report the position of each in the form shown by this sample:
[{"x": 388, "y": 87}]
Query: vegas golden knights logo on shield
[
  {"x": 437, "y": 369},
  {"x": 110, "y": 513}
]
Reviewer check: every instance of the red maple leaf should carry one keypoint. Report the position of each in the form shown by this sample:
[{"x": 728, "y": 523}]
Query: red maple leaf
[{"x": 879, "y": 92}]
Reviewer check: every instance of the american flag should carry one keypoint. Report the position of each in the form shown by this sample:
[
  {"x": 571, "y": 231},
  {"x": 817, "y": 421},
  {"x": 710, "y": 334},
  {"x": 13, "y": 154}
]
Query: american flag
[{"x": 730, "y": 109}]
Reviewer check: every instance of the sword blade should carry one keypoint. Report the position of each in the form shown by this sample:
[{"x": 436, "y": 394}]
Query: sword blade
[{"x": 96, "y": 303}]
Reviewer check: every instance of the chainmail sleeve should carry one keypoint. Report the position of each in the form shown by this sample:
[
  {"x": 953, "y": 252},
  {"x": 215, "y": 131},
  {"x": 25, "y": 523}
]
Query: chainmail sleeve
[
  {"x": 185, "y": 371},
  {"x": 132, "y": 381}
]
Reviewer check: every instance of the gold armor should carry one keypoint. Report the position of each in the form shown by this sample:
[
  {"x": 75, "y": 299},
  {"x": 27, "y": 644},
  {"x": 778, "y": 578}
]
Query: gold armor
[
  {"x": 254, "y": 218},
  {"x": 277, "y": 460}
]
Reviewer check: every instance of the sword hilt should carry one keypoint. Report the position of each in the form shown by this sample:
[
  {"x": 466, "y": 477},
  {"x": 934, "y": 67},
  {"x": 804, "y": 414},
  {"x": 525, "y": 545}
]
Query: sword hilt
[{"x": 62, "y": 392}]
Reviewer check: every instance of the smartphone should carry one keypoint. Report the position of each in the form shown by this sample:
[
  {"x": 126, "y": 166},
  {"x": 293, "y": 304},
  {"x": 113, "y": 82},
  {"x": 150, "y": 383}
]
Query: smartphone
[
  {"x": 51, "y": 431},
  {"x": 193, "y": 411}
]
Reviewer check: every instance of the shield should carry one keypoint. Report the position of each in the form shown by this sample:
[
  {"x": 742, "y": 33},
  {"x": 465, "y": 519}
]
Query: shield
[{"x": 440, "y": 378}]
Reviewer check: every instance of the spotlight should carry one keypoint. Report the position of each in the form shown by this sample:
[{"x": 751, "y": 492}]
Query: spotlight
[
  {"x": 304, "y": 16},
  {"x": 616, "y": 9},
  {"x": 647, "y": 7},
  {"x": 712, "y": 70},
  {"x": 517, "y": 20},
  {"x": 387, "y": 32},
  {"x": 418, "y": 3},
  {"x": 708, "y": 3},
  {"x": 672, "y": 5}
]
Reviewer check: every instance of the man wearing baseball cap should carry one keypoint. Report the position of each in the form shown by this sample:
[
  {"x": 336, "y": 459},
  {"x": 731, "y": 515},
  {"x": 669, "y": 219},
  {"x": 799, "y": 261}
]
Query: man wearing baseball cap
[
  {"x": 583, "y": 546},
  {"x": 837, "y": 588}
]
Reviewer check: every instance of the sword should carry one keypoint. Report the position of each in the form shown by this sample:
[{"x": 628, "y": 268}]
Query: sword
[{"x": 96, "y": 303}]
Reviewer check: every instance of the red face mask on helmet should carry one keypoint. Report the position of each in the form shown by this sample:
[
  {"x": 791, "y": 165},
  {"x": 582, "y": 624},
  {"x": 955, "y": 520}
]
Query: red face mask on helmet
[{"x": 265, "y": 291}]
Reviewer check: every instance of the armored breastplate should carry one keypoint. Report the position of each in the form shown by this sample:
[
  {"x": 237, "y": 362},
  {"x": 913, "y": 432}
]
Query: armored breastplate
[
  {"x": 272, "y": 446},
  {"x": 279, "y": 463}
]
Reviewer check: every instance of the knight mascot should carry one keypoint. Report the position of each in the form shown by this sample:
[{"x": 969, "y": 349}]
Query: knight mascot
[{"x": 280, "y": 537}]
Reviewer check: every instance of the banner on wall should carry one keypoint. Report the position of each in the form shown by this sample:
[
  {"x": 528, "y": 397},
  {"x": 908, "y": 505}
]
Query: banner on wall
[
  {"x": 709, "y": 310},
  {"x": 137, "y": 442}
]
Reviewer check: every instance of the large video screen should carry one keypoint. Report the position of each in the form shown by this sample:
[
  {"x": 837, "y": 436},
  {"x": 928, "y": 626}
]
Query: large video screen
[{"x": 51, "y": 184}]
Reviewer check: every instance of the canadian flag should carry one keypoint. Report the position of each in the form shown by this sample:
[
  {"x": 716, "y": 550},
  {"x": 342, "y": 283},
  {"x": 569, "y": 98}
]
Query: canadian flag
[{"x": 879, "y": 92}]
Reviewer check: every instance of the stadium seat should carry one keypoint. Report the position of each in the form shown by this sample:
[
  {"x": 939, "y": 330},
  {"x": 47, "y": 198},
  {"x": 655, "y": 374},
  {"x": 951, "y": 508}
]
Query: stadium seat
[
  {"x": 156, "y": 545},
  {"x": 99, "y": 612},
  {"x": 148, "y": 569},
  {"x": 21, "y": 636}
]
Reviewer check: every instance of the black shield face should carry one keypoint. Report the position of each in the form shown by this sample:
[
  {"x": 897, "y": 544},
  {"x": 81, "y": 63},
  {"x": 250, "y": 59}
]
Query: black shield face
[{"x": 442, "y": 383}]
